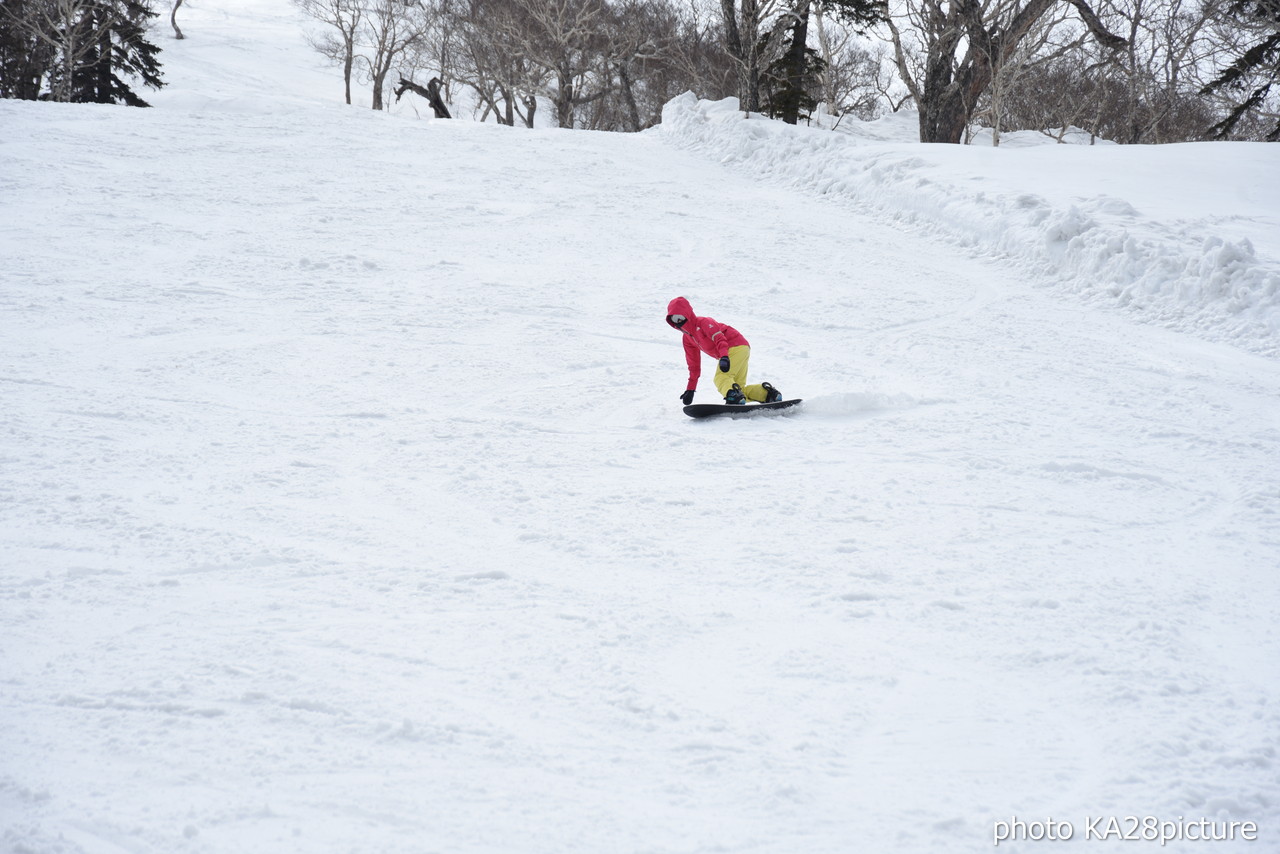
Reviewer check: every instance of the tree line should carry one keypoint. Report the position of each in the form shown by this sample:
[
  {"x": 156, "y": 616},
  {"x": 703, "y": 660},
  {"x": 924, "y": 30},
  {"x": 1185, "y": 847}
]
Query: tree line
[{"x": 1134, "y": 71}]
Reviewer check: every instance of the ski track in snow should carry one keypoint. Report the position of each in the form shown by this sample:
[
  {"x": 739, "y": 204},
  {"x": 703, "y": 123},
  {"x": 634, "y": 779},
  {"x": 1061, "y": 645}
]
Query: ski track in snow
[{"x": 346, "y": 505}]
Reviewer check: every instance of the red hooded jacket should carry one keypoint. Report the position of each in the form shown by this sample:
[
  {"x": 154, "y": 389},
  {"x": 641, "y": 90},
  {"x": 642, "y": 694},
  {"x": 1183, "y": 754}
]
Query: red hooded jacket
[{"x": 702, "y": 333}]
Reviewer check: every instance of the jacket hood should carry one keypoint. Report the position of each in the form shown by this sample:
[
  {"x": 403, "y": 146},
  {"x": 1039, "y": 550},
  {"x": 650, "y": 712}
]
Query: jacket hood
[{"x": 680, "y": 305}]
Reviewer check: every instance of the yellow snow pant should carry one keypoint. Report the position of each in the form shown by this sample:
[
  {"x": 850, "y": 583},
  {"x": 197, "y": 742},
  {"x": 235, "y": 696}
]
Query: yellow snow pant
[{"x": 738, "y": 357}]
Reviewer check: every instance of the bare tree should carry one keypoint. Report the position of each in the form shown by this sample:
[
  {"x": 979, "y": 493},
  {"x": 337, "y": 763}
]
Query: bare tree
[
  {"x": 563, "y": 38},
  {"x": 556, "y": 49},
  {"x": 840, "y": 55},
  {"x": 963, "y": 44},
  {"x": 855, "y": 79},
  {"x": 653, "y": 51},
  {"x": 437, "y": 53},
  {"x": 343, "y": 16},
  {"x": 1146, "y": 92},
  {"x": 1036, "y": 48},
  {"x": 742, "y": 39},
  {"x": 491, "y": 60},
  {"x": 698, "y": 60},
  {"x": 1159, "y": 67},
  {"x": 642, "y": 35},
  {"x": 390, "y": 28}
]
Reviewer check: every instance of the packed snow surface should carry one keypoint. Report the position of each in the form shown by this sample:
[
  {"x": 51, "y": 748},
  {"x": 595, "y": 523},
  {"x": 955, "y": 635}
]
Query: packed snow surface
[{"x": 346, "y": 503}]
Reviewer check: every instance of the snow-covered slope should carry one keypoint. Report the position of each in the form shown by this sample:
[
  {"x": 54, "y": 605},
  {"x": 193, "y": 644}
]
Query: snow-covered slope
[{"x": 346, "y": 504}]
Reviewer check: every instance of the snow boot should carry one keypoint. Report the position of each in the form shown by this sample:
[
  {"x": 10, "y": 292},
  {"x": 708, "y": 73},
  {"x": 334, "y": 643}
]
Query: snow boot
[
  {"x": 772, "y": 395},
  {"x": 735, "y": 396}
]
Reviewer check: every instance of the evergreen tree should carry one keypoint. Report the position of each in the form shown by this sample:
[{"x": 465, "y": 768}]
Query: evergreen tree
[
  {"x": 122, "y": 49},
  {"x": 1256, "y": 70},
  {"x": 83, "y": 51},
  {"x": 23, "y": 55},
  {"x": 792, "y": 79}
]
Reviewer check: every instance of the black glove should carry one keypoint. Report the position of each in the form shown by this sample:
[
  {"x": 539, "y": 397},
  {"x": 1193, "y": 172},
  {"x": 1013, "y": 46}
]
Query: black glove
[
  {"x": 724, "y": 364},
  {"x": 687, "y": 397}
]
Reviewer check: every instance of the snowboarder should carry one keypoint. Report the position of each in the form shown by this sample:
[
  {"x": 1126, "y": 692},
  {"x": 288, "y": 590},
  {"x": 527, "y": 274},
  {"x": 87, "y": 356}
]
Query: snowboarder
[{"x": 720, "y": 342}]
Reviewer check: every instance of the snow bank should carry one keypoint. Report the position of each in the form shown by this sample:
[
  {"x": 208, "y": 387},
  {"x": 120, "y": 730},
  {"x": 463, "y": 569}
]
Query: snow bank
[{"x": 1202, "y": 258}]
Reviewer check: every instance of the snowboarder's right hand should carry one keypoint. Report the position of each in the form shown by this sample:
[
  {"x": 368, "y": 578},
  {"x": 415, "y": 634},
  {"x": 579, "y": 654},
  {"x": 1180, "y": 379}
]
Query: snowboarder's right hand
[
  {"x": 724, "y": 364},
  {"x": 687, "y": 397}
]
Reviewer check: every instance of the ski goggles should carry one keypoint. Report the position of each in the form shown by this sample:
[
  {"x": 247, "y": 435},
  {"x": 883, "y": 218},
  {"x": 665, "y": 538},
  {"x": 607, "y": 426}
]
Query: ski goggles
[{"x": 678, "y": 320}]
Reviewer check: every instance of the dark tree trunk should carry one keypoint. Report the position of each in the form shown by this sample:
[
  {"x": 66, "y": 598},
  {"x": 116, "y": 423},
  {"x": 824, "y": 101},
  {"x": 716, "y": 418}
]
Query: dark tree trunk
[
  {"x": 950, "y": 103},
  {"x": 379, "y": 79},
  {"x": 433, "y": 98},
  {"x": 629, "y": 98},
  {"x": 432, "y": 93},
  {"x": 751, "y": 43},
  {"x": 733, "y": 44},
  {"x": 101, "y": 74},
  {"x": 564, "y": 98},
  {"x": 509, "y": 108},
  {"x": 796, "y": 61},
  {"x": 740, "y": 41},
  {"x": 732, "y": 39}
]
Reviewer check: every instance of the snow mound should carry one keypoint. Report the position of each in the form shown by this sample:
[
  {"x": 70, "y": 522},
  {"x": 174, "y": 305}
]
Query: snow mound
[{"x": 1196, "y": 267}]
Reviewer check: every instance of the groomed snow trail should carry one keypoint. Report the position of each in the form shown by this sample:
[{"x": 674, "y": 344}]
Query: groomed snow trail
[{"x": 347, "y": 506}]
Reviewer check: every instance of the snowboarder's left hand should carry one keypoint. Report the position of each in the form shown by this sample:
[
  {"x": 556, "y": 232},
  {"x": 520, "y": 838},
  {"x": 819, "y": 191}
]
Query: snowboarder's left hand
[
  {"x": 687, "y": 397},
  {"x": 724, "y": 364}
]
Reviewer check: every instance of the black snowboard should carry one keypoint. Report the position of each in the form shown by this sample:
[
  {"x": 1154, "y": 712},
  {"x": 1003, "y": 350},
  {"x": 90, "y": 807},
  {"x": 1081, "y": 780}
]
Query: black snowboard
[{"x": 706, "y": 410}]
